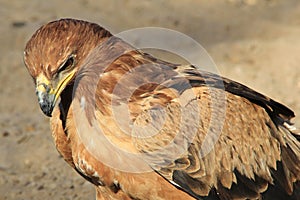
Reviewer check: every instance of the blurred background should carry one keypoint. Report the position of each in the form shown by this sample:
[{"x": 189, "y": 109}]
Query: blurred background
[{"x": 255, "y": 42}]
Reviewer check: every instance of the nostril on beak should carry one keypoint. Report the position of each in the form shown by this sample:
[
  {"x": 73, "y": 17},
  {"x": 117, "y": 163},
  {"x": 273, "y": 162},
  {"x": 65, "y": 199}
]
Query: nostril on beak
[{"x": 42, "y": 87}]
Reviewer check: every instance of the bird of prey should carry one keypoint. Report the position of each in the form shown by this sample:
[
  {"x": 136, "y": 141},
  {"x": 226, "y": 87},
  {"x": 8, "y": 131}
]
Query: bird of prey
[{"x": 138, "y": 127}]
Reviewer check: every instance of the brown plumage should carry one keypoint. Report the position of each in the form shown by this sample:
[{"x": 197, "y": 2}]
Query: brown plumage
[{"x": 141, "y": 128}]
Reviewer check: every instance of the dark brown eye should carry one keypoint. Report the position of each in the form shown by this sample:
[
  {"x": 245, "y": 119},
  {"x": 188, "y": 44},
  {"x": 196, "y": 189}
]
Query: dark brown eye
[{"x": 67, "y": 65}]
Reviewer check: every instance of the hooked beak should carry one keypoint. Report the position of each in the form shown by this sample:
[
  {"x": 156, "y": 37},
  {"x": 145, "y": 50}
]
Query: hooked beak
[
  {"x": 45, "y": 94},
  {"x": 48, "y": 93}
]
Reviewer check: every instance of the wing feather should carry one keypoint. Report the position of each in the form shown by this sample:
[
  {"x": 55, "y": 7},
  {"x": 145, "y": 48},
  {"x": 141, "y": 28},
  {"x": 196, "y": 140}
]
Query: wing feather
[{"x": 251, "y": 146}]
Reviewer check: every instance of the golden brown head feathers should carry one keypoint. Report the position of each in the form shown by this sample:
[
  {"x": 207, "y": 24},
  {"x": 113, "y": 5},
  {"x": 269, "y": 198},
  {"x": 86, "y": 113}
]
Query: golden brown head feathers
[{"x": 54, "y": 42}]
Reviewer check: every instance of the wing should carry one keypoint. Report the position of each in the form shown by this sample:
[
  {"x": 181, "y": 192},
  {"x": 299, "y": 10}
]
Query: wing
[
  {"x": 180, "y": 113},
  {"x": 232, "y": 139}
]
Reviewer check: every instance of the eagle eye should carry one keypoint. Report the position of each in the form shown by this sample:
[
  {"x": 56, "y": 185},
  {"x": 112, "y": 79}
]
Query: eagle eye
[{"x": 68, "y": 64}]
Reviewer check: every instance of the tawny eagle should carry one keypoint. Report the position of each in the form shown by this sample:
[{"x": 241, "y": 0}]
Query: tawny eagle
[{"x": 138, "y": 127}]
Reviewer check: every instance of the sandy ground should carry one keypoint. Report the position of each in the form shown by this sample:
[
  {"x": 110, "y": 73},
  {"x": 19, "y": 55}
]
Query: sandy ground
[{"x": 251, "y": 41}]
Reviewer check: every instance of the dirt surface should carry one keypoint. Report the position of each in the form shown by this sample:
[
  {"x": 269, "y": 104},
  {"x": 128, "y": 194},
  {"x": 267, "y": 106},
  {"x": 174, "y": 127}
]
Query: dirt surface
[{"x": 251, "y": 41}]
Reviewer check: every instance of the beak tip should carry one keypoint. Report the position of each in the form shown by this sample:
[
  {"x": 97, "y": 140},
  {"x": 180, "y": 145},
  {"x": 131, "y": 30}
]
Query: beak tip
[
  {"x": 47, "y": 108},
  {"x": 48, "y": 114}
]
